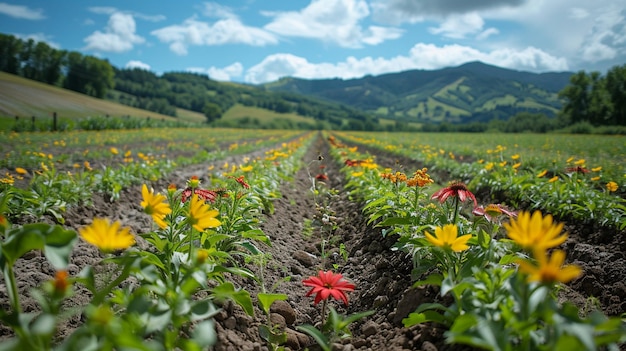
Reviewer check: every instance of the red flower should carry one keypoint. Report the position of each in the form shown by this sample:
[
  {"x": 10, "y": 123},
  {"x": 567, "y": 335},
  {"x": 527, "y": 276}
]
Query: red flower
[
  {"x": 321, "y": 176},
  {"x": 206, "y": 195},
  {"x": 457, "y": 189},
  {"x": 242, "y": 181},
  {"x": 327, "y": 284},
  {"x": 493, "y": 211},
  {"x": 353, "y": 163},
  {"x": 577, "y": 169}
]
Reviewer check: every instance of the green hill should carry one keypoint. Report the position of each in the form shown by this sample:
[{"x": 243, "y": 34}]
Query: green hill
[
  {"x": 25, "y": 98},
  {"x": 471, "y": 92}
]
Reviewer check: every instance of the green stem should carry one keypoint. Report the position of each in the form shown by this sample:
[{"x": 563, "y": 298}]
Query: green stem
[
  {"x": 13, "y": 293},
  {"x": 456, "y": 209},
  {"x": 323, "y": 313}
]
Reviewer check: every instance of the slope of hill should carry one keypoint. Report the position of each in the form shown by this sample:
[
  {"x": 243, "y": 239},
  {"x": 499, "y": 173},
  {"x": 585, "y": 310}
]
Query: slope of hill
[
  {"x": 470, "y": 92},
  {"x": 24, "y": 97}
]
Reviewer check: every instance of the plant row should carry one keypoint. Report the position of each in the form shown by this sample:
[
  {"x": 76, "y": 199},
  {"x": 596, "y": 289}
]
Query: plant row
[
  {"x": 559, "y": 181},
  {"x": 498, "y": 271},
  {"x": 199, "y": 235}
]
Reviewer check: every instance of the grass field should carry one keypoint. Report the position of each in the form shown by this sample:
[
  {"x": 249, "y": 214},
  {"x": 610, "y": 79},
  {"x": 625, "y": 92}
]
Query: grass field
[{"x": 25, "y": 98}]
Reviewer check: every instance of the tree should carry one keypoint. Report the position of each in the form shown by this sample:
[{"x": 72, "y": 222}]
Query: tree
[
  {"x": 10, "y": 48},
  {"x": 616, "y": 89},
  {"x": 576, "y": 97},
  {"x": 212, "y": 111}
]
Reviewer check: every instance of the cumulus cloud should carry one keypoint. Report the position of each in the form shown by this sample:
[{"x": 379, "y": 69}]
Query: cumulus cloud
[
  {"x": 421, "y": 56},
  {"x": 118, "y": 36},
  {"x": 137, "y": 64},
  {"x": 399, "y": 11},
  {"x": 222, "y": 74},
  {"x": 607, "y": 38},
  {"x": 225, "y": 31},
  {"x": 335, "y": 21},
  {"x": 21, "y": 12},
  {"x": 459, "y": 26}
]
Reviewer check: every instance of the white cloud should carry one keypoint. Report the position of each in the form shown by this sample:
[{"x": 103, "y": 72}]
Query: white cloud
[
  {"x": 225, "y": 31},
  {"x": 21, "y": 12},
  {"x": 607, "y": 37},
  {"x": 334, "y": 21},
  {"x": 421, "y": 56},
  {"x": 118, "y": 36},
  {"x": 222, "y": 74},
  {"x": 487, "y": 33},
  {"x": 459, "y": 26},
  {"x": 137, "y": 64}
]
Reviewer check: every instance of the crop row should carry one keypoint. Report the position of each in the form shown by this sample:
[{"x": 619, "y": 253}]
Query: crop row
[
  {"x": 498, "y": 271},
  {"x": 198, "y": 235},
  {"x": 583, "y": 182}
]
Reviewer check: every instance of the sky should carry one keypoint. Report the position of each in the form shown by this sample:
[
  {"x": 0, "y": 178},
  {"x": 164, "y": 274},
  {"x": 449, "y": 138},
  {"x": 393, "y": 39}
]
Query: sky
[{"x": 255, "y": 41}]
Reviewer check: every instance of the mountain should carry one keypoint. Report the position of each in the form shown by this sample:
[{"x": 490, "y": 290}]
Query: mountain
[{"x": 471, "y": 92}]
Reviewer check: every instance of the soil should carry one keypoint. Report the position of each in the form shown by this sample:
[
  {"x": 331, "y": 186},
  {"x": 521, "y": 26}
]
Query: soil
[{"x": 381, "y": 275}]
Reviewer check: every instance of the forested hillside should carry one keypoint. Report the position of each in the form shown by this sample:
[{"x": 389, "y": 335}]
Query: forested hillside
[{"x": 468, "y": 93}]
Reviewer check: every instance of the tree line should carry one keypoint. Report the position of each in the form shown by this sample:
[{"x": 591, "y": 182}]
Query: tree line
[{"x": 72, "y": 70}]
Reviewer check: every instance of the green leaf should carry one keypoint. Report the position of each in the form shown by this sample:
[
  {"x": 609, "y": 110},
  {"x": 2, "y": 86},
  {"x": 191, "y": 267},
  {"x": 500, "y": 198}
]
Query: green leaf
[
  {"x": 432, "y": 279},
  {"x": 266, "y": 300},
  {"x": 202, "y": 309},
  {"x": 204, "y": 333},
  {"x": 391, "y": 221},
  {"x": 241, "y": 297},
  {"x": 317, "y": 335}
]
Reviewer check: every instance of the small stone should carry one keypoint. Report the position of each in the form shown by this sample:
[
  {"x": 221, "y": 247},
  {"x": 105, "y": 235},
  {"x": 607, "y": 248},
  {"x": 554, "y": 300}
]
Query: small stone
[
  {"x": 305, "y": 258},
  {"x": 284, "y": 309},
  {"x": 380, "y": 300},
  {"x": 428, "y": 346},
  {"x": 369, "y": 328},
  {"x": 278, "y": 320},
  {"x": 230, "y": 323}
]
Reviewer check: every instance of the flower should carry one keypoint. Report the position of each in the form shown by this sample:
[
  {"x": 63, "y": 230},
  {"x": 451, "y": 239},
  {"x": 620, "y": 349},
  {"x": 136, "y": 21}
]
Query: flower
[
  {"x": 193, "y": 182},
  {"x": 21, "y": 171},
  {"x": 457, "y": 189},
  {"x": 549, "y": 270},
  {"x": 420, "y": 178},
  {"x": 446, "y": 238},
  {"x": 327, "y": 284},
  {"x": 155, "y": 206},
  {"x": 492, "y": 211},
  {"x": 246, "y": 168},
  {"x": 535, "y": 232},
  {"x": 107, "y": 236},
  {"x": 542, "y": 173},
  {"x": 242, "y": 181},
  {"x": 553, "y": 179},
  {"x": 201, "y": 216},
  {"x": 114, "y": 150},
  {"x": 321, "y": 176},
  {"x": 611, "y": 186},
  {"x": 60, "y": 283}
]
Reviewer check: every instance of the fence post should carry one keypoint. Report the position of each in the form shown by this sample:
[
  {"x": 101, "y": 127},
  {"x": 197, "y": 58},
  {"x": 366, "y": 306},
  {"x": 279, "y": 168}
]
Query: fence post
[{"x": 54, "y": 121}]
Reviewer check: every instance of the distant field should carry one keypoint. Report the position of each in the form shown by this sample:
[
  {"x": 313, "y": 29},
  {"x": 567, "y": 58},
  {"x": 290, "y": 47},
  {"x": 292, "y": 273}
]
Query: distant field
[
  {"x": 238, "y": 112},
  {"x": 25, "y": 98}
]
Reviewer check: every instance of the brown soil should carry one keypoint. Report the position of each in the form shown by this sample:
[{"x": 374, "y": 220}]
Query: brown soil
[{"x": 381, "y": 276}]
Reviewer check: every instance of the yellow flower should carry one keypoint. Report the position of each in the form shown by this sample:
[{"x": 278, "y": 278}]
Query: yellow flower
[
  {"x": 542, "y": 173},
  {"x": 201, "y": 216},
  {"x": 580, "y": 162},
  {"x": 516, "y": 166},
  {"x": 446, "y": 238},
  {"x": 515, "y": 157},
  {"x": 21, "y": 171},
  {"x": 114, "y": 150},
  {"x": 246, "y": 168},
  {"x": 107, "y": 236},
  {"x": 155, "y": 206},
  {"x": 595, "y": 179},
  {"x": 536, "y": 232},
  {"x": 549, "y": 270},
  {"x": 357, "y": 174},
  {"x": 596, "y": 169},
  {"x": 611, "y": 186},
  {"x": 553, "y": 179},
  {"x": 489, "y": 166},
  {"x": 87, "y": 166}
]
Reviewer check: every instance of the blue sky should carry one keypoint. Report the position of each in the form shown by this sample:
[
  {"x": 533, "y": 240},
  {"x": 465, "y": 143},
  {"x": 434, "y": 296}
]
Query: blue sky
[{"x": 256, "y": 41}]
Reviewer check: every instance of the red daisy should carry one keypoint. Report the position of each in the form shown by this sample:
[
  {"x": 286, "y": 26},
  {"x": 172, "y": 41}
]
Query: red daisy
[
  {"x": 457, "y": 189},
  {"x": 327, "y": 284}
]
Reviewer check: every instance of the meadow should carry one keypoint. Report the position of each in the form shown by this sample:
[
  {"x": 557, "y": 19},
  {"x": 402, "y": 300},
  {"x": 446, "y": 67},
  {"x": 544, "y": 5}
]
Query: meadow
[{"x": 181, "y": 238}]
